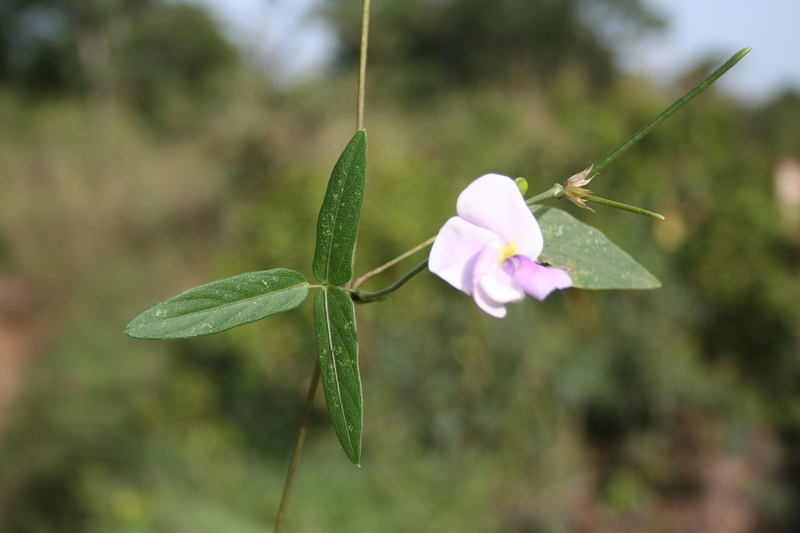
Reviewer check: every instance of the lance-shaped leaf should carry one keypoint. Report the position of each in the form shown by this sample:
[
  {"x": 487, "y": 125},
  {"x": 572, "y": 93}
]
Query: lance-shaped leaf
[
  {"x": 221, "y": 305},
  {"x": 337, "y": 226},
  {"x": 337, "y": 346},
  {"x": 592, "y": 261}
]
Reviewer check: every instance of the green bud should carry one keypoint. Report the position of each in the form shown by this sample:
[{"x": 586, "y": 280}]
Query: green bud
[{"x": 522, "y": 185}]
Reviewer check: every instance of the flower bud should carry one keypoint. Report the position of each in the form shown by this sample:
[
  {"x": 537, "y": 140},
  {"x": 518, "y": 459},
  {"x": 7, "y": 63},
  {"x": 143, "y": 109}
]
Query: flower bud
[{"x": 522, "y": 185}]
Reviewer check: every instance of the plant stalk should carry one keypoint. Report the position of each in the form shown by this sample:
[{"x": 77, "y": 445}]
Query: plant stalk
[
  {"x": 553, "y": 192},
  {"x": 624, "y": 207},
  {"x": 363, "y": 279},
  {"x": 362, "y": 65},
  {"x": 298, "y": 448},
  {"x": 362, "y": 87},
  {"x": 647, "y": 128},
  {"x": 312, "y": 388},
  {"x": 367, "y": 297}
]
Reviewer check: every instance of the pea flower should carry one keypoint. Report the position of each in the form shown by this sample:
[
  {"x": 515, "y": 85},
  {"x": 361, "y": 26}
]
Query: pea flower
[{"x": 490, "y": 249}]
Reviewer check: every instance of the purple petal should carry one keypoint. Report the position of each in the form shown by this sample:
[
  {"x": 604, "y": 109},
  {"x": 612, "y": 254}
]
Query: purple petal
[
  {"x": 538, "y": 280},
  {"x": 455, "y": 250},
  {"x": 494, "y": 202}
]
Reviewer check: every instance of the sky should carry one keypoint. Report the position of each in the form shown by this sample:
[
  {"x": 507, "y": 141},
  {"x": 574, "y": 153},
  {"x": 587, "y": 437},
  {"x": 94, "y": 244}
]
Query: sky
[
  {"x": 293, "y": 46},
  {"x": 281, "y": 33},
  {"x": 699, "y": 29}
]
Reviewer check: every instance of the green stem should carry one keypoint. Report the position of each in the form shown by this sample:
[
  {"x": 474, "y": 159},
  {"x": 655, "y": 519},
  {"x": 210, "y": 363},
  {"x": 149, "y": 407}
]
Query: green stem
[
  {"x": 366, "y": 297},
  {"x": 362, "y": 86},
  {"x": 360, "y": 281},
  {"x": 298, "y": 448},
  {"x": 636, "y": 137},
  {"x": 553, "y": 192},
  {"x": 312, "y": 388},
  {"x": 362, "y": 65},
  {"x": 624, "y": 207}
]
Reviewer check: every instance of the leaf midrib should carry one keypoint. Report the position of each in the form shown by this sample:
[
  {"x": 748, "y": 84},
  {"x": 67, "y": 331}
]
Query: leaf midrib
[
  {"x": 220, "y": 307},
  {"x": 644, "y": 276},
  {"x": 336, "y": 370},
  {"x": 335, "y": 218}
]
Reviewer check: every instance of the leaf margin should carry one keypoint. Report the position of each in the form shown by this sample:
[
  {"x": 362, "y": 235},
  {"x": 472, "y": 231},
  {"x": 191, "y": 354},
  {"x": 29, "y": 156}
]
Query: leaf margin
[
  {"x": 298, "y": 292},
  {"x": 349, "y": 434},
  {"x": 553, "y": 254},
  {"x": 347, "y": 183}
]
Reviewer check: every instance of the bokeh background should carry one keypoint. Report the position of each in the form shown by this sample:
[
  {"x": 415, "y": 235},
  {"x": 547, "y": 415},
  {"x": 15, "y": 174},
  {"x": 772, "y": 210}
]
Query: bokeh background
[{"x": 143, "y": 151}]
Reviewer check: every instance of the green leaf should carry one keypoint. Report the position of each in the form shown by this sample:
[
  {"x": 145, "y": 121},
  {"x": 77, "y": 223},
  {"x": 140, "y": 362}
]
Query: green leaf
[
  {"x": 592, "y": 261},
  {"x": 337, "y": 226},
  {"x": 221, "y": 305},
  {"x": 337, "y": 346}
]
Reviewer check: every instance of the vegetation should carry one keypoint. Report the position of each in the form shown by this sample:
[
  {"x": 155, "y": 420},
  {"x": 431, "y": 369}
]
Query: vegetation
[{"x": 615, "y": 411}]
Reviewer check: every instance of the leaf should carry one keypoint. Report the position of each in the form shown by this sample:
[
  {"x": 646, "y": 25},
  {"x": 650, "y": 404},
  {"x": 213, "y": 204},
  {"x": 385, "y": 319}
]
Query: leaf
[
  {"x": 337, "y": 346},
  {"x": 221, "y": 305},
  {"x": 592, "y": 261},
  {"x": 337, "y": 226}
]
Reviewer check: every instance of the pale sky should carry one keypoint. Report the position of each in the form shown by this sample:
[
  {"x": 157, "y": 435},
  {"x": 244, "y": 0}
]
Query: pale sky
[
  {"x": 719, "y": 28},
  {"x": 293, "y": 46},
  {"x": 281, "y": 32}
]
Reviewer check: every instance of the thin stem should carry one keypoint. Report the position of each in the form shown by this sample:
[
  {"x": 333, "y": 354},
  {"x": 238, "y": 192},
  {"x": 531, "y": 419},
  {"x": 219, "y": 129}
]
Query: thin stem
[
  {"x": 624, "y": 207},
  {"x": 362, "y": 64},
  {"x": 366, "y": 297},
  {"x": 301, "y": 438},
  {"x": 553, "y": 192},
  {"x": 312, "y": 388},
  {"x": 362, "y": 86},
  {"x": 636, "y": 137},
  {"x": 360, "y": 281}
]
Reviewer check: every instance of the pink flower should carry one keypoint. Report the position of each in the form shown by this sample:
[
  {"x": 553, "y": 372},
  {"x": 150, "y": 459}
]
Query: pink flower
[{"x": 489, "y": 250}]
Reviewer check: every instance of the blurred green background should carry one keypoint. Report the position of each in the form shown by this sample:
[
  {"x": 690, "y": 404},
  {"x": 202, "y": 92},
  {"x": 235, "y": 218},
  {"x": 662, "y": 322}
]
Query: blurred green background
[{"x": 141, "y": 153}]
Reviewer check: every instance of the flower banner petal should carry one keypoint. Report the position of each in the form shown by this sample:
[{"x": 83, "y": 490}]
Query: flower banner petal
[{"x": 494, "y": 202}]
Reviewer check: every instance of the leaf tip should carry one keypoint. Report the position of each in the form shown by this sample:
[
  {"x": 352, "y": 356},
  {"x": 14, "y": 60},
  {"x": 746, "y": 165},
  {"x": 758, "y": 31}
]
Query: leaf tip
[
  {"x": 354, "y": 454},
  {"x": 655, "y": 283},
  {"x": 129, "y": 330}
]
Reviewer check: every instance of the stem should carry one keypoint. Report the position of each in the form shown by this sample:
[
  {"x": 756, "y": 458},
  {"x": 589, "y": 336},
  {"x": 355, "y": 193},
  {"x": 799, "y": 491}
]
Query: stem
[
  {"x": 367, "y": 297},
  {"x": 360, "y": 281},
  {"x": 636, "y": 137},
  {"x": 362, "y": 65},
  {"x": 362, "y": 87},
  {"x": 554, "y": 192},
  {"x": 301, "y": 437},
  {"x": 312, "y": 387},
  {"x": 624, "y": 207}
]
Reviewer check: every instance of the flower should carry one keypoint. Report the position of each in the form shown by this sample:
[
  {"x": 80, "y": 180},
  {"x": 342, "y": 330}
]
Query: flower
[{"x": 489, "y": 250}]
